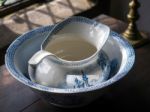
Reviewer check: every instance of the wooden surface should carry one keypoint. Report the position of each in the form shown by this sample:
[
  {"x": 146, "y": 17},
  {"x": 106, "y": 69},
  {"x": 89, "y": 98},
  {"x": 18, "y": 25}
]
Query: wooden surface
[{"x": 132, "y": 92}]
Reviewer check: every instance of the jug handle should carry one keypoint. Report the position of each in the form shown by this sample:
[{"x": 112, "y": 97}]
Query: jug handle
[{"x": 35, "y": 60}]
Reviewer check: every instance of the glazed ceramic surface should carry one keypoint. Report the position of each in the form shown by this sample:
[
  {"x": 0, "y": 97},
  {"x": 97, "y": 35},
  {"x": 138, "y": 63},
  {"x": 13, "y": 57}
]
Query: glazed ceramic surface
[
  {"x": 48, "y": 69},
  {"x": 119, "y": 52}
]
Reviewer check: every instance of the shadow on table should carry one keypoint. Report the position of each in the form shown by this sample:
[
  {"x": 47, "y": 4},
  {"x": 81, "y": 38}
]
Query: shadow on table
[{"x": 102, "y": 104}]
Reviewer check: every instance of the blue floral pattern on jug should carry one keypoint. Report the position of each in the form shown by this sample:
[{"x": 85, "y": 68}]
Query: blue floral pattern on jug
[
  {"x": 102, "y": 61},
  {"x": 113, "y": 67},
  {"x": 82, "y": 83}
]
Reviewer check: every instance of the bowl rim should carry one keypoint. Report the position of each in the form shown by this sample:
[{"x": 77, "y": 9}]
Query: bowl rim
[{"x": 10, "y": 53}]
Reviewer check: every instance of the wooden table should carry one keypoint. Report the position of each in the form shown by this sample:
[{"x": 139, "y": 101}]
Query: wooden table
[{"x": 131, "y": 92}]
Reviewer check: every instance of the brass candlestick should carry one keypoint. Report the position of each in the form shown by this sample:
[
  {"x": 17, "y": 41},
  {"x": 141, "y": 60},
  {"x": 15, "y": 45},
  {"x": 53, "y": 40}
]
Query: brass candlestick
[{"x": 131, "y": 33}]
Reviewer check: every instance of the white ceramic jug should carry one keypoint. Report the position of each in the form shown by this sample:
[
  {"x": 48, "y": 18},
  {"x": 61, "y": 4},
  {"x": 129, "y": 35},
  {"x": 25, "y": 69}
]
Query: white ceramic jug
[{"x": 48, "y": 69}]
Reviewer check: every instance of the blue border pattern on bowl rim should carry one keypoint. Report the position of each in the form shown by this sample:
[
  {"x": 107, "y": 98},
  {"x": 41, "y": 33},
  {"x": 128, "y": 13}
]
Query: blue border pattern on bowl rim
[{"x": 9, "y": 61}]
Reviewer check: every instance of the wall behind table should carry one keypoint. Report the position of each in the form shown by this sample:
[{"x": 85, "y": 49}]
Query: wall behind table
[{"x": 119, "y": 9}]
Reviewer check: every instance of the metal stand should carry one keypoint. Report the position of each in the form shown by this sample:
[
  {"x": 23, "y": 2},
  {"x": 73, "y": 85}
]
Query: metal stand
[{"x": 131, "y": 33}]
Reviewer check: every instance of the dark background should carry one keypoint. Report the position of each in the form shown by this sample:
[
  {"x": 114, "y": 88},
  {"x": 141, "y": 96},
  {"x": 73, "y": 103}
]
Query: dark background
[{"x": 119, "y": 9}]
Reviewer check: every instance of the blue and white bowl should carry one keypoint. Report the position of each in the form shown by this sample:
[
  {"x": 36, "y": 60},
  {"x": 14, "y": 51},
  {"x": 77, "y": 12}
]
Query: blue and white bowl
[{"x": 119, "y": 51}]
